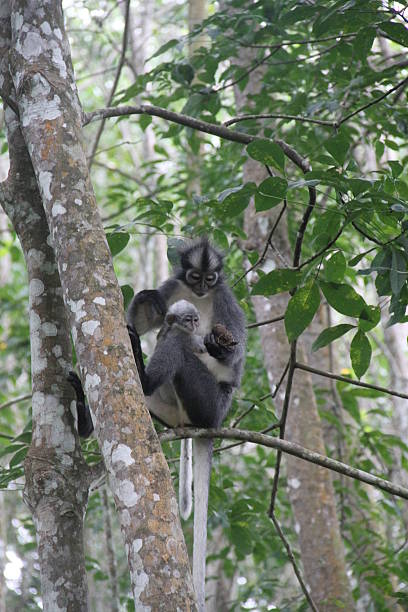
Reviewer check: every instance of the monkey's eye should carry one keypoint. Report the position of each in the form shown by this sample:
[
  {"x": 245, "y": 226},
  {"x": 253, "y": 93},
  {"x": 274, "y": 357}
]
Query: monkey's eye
[
  {"x": 196, "y": 319},
  {"x": 193, "y": 276},
  {"x": 212, "y": 278}
]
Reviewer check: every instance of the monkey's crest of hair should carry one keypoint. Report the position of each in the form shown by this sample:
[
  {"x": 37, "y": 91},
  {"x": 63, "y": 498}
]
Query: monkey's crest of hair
[{"x": 199, "y": 253}]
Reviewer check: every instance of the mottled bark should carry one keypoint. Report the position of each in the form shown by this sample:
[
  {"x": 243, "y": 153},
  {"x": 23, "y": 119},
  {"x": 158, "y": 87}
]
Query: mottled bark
[
  {"x": 110, "y": 553},
  {"x": 310, "y": 488},
  {"x": 50, "y": 116},
  {"x": 56, "y": 487}
]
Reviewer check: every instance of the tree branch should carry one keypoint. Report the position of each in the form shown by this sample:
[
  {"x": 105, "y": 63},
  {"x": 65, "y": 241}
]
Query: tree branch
[
  {"x": 375, "y": 101},
  {"x": 292, "y": 559},
  {"x": 291, "y": 448},
  {"x": 351, "y": 381},
  {"x": 115, "y": 83},
  {"x": 16, "y": 400},
  {"x": 274, "y": 320},
  {"x": 278, "y": 116}
]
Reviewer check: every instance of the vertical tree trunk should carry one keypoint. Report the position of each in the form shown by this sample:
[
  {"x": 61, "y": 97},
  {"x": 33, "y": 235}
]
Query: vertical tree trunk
[
  {"x": 110, "y": 553},
  {"x": 310, "y": 488},
  {"x": 50, "y": 116},
  {"x": 56, "y": 487}
]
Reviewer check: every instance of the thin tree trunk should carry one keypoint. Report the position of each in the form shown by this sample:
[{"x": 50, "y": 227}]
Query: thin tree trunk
[
  {"x": 110, "y": 553},
  {"x": 310, "y": 488}
]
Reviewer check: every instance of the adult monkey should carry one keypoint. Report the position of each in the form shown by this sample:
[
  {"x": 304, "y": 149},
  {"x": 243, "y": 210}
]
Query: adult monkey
[{"x": 204, "y": 391}]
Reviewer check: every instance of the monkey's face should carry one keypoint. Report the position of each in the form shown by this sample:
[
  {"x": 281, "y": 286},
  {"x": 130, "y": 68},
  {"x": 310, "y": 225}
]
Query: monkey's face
[
  {"x": 191, "y": 322},
  {"x": 201, "y": 282}
]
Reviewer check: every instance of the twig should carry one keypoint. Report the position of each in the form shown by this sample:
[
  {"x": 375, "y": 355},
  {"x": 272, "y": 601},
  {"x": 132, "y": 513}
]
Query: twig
[
  {"x": 278, "y": 116},
  {"x": 294, "y": 564},
  {"x": 267, "y": 245},
  {"x": 363, "y": 233},
  {"x": 16, "y": 400},
  {"x": 10, "y": 102},
  {"x": 375, "y": 101},
  {"x": 351, "y": 381},
  {"x": 259, "y": 323},
  {"x": 282, "y": 423},
  {"x": 263, "y": 398},
  {"x": 299, "y": 42},
  {"x": 323, "y": 250},
  {"x": 254, "y": 66},
  {"x": 115, "y": 83},
  {"x": 291, "y": 448}
]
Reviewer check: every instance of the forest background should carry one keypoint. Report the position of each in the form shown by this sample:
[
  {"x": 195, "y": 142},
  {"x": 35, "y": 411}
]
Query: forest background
[{"x": 279, "y": 129}]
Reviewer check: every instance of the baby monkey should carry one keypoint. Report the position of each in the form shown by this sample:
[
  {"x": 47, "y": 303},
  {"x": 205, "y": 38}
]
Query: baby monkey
[{"x": 183, "y": 319}]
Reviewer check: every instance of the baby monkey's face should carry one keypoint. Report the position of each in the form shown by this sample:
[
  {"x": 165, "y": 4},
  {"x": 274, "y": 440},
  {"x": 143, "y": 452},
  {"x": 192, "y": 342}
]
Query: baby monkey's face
[{"x": 191, "y": 321}]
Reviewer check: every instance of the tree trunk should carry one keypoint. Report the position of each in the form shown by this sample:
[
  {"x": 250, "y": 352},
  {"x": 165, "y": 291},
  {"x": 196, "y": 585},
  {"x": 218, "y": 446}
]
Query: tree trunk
[
  {"x": 50, "y": 116},
  {"x": 310, "y": 488},
  {"x": 56, "y": 488}
]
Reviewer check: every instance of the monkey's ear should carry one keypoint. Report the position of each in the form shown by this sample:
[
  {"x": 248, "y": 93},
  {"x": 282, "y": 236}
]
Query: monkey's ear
[{"x": 170, "y": 318}]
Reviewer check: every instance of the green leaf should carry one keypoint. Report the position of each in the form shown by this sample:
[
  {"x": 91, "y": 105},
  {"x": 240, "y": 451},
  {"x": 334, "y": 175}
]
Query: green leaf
[
  {"x": 183, "y": 73},
  {"x": 330, "y": 334},
  {"x": 19, "y": 457},
  {"x": 144, "y": 121},
  {"x": 267, "y": 152},
  {"x": 277, "y": 281},
  {"x": 301, "y": 310},
  {"x": 335, "y": 267},
  {"x": 237, "y": 199},
  {"x": 338, "y": 147},
  {"x": 360, "y": 353},
  {"x": 117, "y": 242},
  {"x": 24, "y": 437},
  {"x": 399, "y": 273},
  {"x": 355, "y": 260},
  {"x": 127, "y": 293},
  {"x": 363, "y": 42},
  {"x": 369, "y": 317},
  {"x": 270, "y": 193},
  {"x": 396, "y": 31},
  {"x": 343, "y": 298},
  {"x": 168, "y": 45}
]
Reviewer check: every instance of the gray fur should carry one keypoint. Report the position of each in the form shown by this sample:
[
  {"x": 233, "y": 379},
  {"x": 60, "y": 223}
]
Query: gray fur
[{"x": 201, "y": 383}]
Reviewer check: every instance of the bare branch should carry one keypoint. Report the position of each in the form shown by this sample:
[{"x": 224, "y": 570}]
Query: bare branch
[
  {"x": 258, "y": 324},
  {"x": 192, "y": 122},
  {"x": 291, "y": 448},
  {"x": 294, "y": 564},
  {"x": 279, "y": 116},
  {"x": 115, "y": 83},
  {"x": 15, "y": 400},
  {"x": 351, "y": 381},
  {"x": 282, "y": 423},
  {"x": 375, "y": 101},
  {"x": 267, "y": 245}
]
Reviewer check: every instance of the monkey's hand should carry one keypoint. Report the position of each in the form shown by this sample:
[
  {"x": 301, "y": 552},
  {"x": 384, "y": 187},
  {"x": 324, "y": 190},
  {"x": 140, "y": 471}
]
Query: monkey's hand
[
  {"x": 75, "y": 381},
  {"x": 138, "y": 355},
  {"x": 136, "y": 346},
  {"x": 220, "y": 342},
  {"x": 85, "y": 425}
]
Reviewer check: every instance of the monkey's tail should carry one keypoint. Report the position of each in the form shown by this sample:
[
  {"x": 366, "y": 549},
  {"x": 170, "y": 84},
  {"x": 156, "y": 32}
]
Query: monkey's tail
[
  {"x": 186, "y": 478},
  {"x": 202, "y": 469}
]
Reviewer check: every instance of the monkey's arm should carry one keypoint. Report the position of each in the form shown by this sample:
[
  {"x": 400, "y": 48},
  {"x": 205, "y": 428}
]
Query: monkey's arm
[
  {"x": 85, "y": 425},
  {"x": 148, "y": 307},
  {"x": 163, "y": 364}
]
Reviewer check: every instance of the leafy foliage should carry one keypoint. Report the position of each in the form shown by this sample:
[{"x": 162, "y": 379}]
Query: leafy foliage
[{"x": 323, "y": 65}]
